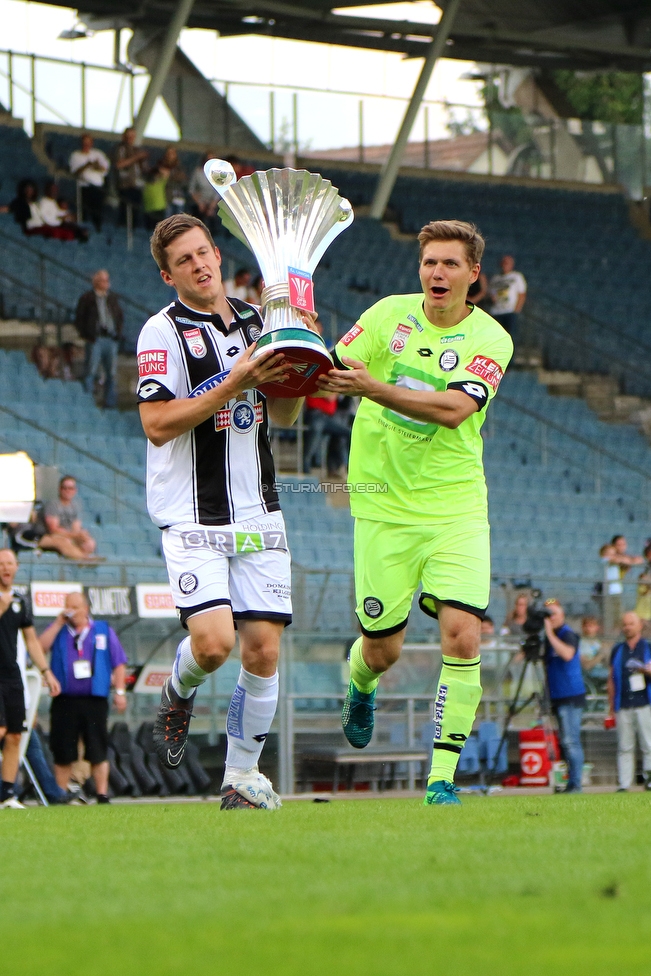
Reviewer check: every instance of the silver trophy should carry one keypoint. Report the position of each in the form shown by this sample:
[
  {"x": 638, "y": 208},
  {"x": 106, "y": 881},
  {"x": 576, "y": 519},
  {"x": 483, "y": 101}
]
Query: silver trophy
[{"x": 288, "y": 218}]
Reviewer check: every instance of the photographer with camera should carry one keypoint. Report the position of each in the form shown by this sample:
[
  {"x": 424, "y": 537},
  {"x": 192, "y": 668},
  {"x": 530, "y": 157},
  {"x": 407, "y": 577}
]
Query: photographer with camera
[{"x": 566, "y": 688}]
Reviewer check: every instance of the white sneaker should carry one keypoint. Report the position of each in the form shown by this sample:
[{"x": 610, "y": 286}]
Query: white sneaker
[
  {"x": 12, "y": 803},
  {"x": 253, "y": 786}
]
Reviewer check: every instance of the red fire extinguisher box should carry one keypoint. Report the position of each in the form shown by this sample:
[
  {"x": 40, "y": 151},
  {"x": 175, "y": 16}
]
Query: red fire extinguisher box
[{"x": 537, "y": 751}]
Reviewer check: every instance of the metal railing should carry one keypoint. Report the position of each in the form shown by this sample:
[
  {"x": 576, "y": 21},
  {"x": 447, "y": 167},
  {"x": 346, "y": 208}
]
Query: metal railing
[
  {"x": 53, "y": 269},
  {"x": 606, "y": 471},
  {"x": 282, "y": 115},
  {"x": 572, "y": 339},
  {"x": 116, "y": 477}
]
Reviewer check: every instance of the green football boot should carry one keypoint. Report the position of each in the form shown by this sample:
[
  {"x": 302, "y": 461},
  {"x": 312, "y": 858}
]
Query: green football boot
[
  {"x": 440, "y": 792},
  {"x": 357, "y": 716}
]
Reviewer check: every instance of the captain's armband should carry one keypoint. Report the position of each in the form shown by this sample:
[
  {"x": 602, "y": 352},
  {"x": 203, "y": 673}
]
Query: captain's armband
[{"x": 476, "y": 391}]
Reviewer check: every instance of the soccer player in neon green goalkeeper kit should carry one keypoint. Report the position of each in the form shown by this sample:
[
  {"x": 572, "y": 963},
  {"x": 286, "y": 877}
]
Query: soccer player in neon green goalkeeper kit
[{"x": 426, "y": 367}]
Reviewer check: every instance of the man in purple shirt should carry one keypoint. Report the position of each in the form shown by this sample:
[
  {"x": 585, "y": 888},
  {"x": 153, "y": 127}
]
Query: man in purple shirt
[{"x": 87, "y": 659}]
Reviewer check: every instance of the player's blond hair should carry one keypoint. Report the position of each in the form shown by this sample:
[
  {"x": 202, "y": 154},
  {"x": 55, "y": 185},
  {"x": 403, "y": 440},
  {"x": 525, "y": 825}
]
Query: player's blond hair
[
  {"x": 168, "y": 230},
  {"x": 454, "y": 230}
]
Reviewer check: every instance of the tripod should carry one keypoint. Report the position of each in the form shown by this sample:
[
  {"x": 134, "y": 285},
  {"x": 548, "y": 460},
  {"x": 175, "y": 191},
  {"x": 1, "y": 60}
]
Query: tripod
[{"x": 531, "y": 648}]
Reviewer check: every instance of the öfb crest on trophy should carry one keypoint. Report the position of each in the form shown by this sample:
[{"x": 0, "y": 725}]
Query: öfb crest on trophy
[{"x": 287, "y": 218}]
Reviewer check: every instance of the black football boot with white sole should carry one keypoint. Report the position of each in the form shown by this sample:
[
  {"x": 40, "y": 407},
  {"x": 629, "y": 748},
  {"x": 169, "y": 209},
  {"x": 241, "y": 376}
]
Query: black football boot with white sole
[{"x": 172, "y": 725}]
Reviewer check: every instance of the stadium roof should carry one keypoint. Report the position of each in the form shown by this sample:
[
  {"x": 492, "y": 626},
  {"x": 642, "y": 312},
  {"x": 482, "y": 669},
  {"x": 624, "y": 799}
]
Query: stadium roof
[{"x": 578, "y": 34}]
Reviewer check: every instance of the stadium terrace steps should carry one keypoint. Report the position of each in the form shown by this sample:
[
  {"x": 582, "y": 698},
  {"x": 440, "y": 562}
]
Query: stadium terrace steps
[{"x": 551, "y": 504}]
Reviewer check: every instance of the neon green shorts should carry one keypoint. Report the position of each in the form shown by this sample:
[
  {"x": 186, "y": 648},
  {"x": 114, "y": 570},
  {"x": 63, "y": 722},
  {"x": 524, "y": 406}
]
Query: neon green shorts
[{"x": 451, "y": 560}]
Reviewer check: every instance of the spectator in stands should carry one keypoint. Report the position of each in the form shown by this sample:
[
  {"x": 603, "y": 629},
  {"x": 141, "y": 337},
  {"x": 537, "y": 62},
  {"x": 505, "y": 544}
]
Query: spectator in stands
[
  {"x": 68, "y": 366},
  {"x": 508, "y": 292},
  {"x": 566, "y": 689},
  {"x": 239, "y": 286},
  {"x": 255, "y": 290},
  {"x": 177, "y": 181},
  {"x": 643, "y": 603},
  {"x": 87, "y": 658},
  {"x": 478, "y": 290},
  {"x": 41, "y": 356},
  {"x": 204, "y": 199},
  {"x": 99, "y": 320},
  {"x": 617, "y": 563},
  {"x": 338, "y": 447},
  {"x": 63, "y": 524},
  {"x": 488, "y": 638},
  {"x": 621, "y": 557},
  {"x": 629, "y": 697},
  {"x": 515, "y": 618},
  {"x": 90, "y": 166},
  {"x": 130, "y": 162},
  {"x": 321, "y": 422},
  {"x": 154, "y": 196},
  {"x": 34, "y": 535},
  {"x": 24, "y": 206},
  {"x": 611, "y": 588},
  {"x": 241, "y": 168},
  {"x": 591, "y": 650},
  {"x": 57, "y": 220},
  {"x": 15, "y": 616}
]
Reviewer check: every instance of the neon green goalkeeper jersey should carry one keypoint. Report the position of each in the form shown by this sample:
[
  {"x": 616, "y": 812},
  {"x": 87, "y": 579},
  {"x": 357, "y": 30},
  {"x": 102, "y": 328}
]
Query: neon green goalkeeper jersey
[{"x": 403, "y": 470}]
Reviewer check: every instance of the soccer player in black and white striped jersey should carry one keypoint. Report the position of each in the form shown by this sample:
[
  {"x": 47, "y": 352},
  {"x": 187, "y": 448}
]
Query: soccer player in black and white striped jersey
[{"x": 210, "y": 488}]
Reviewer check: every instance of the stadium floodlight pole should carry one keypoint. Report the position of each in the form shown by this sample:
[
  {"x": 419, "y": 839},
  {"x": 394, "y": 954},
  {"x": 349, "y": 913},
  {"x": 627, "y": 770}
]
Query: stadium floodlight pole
[
  {"x": 163, "y": 65},
  {"x": 389, "y": 170}
]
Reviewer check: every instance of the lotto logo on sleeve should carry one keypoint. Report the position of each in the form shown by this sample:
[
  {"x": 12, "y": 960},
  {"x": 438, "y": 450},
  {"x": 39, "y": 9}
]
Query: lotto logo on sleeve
[
  {"x": 486, "y": 369},
  {"x": 301, "y": 290},
  {"x": 152, "y": 361}
]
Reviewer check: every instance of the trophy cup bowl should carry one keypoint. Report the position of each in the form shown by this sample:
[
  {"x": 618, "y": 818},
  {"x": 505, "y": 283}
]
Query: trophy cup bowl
[{"x": 287, "y": 218}]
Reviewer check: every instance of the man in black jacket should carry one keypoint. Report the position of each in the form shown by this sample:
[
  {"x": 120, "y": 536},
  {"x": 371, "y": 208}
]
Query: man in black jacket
[{"x": 99, "y": 320}]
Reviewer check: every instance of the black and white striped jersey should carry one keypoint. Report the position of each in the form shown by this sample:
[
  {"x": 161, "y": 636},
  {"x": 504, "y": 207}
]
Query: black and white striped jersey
[{"x": 222, "y": 471}]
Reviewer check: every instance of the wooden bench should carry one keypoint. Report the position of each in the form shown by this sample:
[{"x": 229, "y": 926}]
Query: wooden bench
[{"x": 348, "y": 760}]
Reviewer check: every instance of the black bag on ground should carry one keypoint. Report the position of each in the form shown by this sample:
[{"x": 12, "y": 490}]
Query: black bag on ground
[
  {"x": 202, "y": 781},
  {"x": 131, "y": 758},
  {"x": 148, "y": 783},
  {"x": 117, "y": 781},
  {"x": 123, "y": 757}
]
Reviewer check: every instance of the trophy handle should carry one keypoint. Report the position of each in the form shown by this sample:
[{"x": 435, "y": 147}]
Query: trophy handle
[{"x": 220, "y": 174}]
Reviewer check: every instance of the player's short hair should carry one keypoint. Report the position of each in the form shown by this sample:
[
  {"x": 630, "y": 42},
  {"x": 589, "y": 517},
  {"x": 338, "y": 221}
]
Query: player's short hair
[
  {"x": 168, "y": 230},
  {"x": 454, "y": 230}
]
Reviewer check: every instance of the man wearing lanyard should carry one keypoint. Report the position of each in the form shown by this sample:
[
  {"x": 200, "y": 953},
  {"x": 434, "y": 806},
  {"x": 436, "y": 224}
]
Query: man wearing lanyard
[{"x": 87, "y": 658}]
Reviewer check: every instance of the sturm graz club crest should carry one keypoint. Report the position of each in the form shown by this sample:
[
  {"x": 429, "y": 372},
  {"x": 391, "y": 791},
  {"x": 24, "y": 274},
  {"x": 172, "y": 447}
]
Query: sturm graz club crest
[
  {"x": 373, "y": 607},
  {"x": 242, "y": 417},
  {"x": 448, "y": 360},
  {"x": 188, "y": 583}
]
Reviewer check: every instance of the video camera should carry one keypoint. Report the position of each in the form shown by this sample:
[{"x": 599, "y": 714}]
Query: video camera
[
  {"x": 533, "y": 627},
  {"x": 537, "y": 613}
]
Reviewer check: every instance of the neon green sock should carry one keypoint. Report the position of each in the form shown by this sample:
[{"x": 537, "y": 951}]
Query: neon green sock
[
  {"x": 362, "y": 677},
  {"x": 457, "y": 698}
]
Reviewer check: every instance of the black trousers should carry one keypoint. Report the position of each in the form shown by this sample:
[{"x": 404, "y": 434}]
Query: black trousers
[{"x": 92, "y": 203}]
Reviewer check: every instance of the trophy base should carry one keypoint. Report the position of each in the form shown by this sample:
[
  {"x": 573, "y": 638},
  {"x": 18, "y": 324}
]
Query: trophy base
[{"x": 306, "y": 355}]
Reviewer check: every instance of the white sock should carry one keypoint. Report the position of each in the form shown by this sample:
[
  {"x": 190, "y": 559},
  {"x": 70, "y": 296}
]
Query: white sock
[
  {"x": 186, "y": 673},
  {"x": 249, "y": 719}
]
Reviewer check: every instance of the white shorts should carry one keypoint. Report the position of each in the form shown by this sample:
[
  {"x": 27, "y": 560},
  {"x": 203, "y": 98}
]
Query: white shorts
[{"x": 245, "y": 566}]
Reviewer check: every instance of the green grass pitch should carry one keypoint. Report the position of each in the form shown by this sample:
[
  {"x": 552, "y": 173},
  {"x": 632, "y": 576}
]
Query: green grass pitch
[{"x": 504, "y": 885}]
